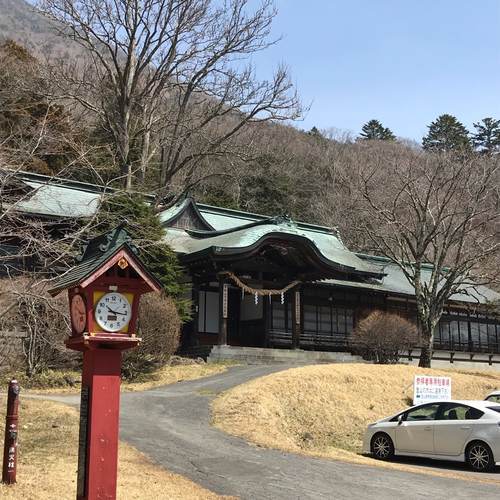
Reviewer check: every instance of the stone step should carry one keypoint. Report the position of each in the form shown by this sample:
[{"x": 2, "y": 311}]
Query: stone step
[{"x": 260, "y": 355}]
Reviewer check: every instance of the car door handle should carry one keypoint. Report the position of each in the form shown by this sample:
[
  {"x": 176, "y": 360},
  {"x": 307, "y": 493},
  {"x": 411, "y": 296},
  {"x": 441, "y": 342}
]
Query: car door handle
[
  {"x": 465, "y": 427},
  {"x": 428, "y": 428}
]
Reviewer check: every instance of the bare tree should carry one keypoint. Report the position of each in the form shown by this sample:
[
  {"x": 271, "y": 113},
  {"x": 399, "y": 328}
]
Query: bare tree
[
  {"x": 165, "y": 74},
  {"x": 383, "y": 337},
  {"x": 433, "y": 209}
]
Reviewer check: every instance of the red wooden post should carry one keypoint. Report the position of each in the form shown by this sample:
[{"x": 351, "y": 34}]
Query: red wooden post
[
  {"x": 99, "y": 421},
  {"x": 104, "y": 290},
  {"x": 10, "y": 442}
]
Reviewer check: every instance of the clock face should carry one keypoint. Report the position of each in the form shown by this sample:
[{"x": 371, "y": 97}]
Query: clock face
[
  {"x": 78, "y": 313},
  {"x": 113, "y": 312}
]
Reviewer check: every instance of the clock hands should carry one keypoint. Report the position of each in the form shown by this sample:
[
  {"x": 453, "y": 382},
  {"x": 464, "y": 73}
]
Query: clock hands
[{"x": 116, "y": 312}]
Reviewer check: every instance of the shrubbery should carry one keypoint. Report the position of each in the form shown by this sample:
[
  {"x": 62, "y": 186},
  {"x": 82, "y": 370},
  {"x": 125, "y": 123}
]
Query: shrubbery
[
  {"x": 159, "y": 326},
  {"x": 381, "y": 337},
  {"x": 43, "y": 321}
]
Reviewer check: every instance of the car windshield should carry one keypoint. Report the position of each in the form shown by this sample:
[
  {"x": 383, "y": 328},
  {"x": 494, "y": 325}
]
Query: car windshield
[
  {"x": 494, "y": 397},
  {"x": 494, "y": 408}
]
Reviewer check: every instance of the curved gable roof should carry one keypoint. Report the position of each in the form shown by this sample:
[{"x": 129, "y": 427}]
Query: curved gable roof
[
  {"x": 185, "y": 215},
  {"x": 240, "y": 233}
]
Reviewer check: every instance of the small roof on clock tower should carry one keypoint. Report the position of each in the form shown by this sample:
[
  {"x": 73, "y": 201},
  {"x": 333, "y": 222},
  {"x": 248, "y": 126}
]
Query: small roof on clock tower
[{"x": 98, "y": 255}]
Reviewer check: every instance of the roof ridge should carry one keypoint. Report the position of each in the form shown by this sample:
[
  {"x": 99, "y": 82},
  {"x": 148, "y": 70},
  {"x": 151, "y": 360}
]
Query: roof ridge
[
  {"x": 387, "y": 260},
  {"x": 250, "y": 215},
  {"x": 102, "y": 188},
  {"x": 201, "y": 234},
  {"x": 69, "y": 183}
]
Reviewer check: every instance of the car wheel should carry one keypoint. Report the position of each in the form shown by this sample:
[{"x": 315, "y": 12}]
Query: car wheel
[
  {"x": 382, "y": 447},
  {"x": 479, "y": 456}
]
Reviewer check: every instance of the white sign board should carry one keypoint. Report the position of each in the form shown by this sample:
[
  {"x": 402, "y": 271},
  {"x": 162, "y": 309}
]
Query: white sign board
[{"x": 428, "y": 388}]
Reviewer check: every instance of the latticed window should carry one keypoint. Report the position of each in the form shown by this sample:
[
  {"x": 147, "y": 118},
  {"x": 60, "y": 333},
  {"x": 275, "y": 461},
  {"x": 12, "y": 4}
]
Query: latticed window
[
  {"x": 208, "y": 315},
  {"x": 281, "y": 318},
  {"x": 328, "y": 319},
  {"x": 475, "y": 332}
]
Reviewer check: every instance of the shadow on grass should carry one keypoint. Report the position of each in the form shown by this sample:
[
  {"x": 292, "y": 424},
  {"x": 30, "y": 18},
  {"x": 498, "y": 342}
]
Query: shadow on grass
[{"x": 444, "y": 465}]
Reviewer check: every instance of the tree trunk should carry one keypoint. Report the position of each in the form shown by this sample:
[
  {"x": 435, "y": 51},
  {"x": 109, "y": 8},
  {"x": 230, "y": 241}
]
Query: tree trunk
[
  {"x": 128, "y": 177},
  {"x": 426, "y": 340},
  {"x": 145, "y": 155},
  {"x": 425, "y": 356},
  {"x": 163, "y": 168}
]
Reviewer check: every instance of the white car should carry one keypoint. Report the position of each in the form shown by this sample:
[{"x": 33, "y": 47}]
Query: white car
[
  {"x": 444, "y": 430},
  {"x": 493, "y": 397}
]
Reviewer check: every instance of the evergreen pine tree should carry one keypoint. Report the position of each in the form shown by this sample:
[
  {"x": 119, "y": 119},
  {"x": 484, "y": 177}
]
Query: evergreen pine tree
[
  {"x": 314, "y": 132},
  {"x": 374, "y": 130},
  {"x": 487, "y": 137},
  {"x": 446, "y": 133},
  {"x": 146, "y": 231}
]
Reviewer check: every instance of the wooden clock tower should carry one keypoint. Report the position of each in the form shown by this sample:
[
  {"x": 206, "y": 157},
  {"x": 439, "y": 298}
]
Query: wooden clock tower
[{"x": 104, "y": 290}]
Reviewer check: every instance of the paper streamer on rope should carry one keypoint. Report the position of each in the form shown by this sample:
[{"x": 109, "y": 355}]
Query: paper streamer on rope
[{"x": 261, "y": 291}]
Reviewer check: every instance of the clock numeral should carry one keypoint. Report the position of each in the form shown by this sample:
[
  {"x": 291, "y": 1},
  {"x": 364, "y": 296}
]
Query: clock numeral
[{"x": 113, "y": 312}]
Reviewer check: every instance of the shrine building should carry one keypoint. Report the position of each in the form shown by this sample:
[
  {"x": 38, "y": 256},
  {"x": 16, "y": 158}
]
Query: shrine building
[{"x": 271, "y": 282}]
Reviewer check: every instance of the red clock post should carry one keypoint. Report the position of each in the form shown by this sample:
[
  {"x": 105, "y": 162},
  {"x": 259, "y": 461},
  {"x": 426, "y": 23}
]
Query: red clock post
[{"x": 104, "y": 289}]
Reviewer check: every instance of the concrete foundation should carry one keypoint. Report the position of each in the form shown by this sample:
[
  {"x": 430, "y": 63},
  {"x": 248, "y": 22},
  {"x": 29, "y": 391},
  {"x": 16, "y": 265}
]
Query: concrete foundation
[
  {"x": 462, "y": 360},
  {"x": 261, "y": 355}
]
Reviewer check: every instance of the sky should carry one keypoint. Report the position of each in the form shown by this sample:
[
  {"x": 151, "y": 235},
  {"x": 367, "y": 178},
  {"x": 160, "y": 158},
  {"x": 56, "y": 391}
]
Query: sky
[{"x": 403, "y": 62}]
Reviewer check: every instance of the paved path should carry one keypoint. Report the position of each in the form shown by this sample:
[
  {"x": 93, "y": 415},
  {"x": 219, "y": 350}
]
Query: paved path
[{"x": 171, "y": 425}]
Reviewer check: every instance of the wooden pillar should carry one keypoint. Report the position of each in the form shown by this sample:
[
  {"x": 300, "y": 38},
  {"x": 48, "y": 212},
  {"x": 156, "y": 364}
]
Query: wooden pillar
[
  {"x": 296, "y": 317},
  {"x": 223, "y": 310},
  {"x": 195, "y": 297},
  {"x": 267, "y": 309}
]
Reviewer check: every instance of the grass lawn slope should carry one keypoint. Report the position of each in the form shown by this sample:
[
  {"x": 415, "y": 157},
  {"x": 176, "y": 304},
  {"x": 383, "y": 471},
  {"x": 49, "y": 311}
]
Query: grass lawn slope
[
  {"x": 324, "y": 409},
  {"x": 48, "y": 441}
]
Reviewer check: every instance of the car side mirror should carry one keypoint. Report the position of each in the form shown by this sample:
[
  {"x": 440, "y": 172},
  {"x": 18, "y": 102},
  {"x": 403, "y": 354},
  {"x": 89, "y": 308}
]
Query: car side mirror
[{"x": 400, "y": 419}]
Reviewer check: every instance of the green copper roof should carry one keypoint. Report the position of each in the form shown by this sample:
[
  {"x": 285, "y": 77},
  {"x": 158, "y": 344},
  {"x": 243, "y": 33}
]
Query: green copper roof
[
  {"x": 395, "y": 282},
  {"x": 55, "y": 197},
  {"x": 327, "y": 244},
  {"x": 95, "y": 254},
  {"x": 237, "y": 230}
]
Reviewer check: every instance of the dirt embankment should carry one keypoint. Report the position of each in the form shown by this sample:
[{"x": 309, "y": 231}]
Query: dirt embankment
[{"x": 324, "y": 410}]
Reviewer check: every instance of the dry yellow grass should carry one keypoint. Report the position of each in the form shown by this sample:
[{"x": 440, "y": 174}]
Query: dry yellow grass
[
  {"x": 172, "y": 374},
  {"x": 55, "y": 381},
  {"x": 48, "y": 462},
  {"x": 323, "y": 410}
]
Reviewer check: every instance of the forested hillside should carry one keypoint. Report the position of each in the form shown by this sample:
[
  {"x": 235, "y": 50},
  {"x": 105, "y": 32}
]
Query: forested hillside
[
  {"x": 265, "y": 166},
  {"x": 161, "y": 97},
  {"x": 20, "y": 22}
]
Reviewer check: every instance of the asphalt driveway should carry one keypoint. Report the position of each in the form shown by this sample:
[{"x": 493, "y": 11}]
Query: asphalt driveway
[{"x": 172, "y": 426}]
